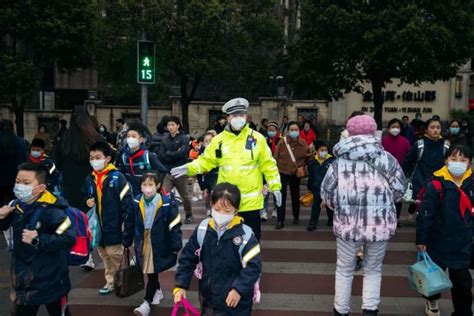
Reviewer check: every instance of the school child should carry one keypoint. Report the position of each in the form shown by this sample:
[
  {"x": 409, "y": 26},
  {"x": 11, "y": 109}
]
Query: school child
[
  {"x": 194, "y": 153},
  {"x": 42, "y": 237},
  {"x": 155, "y": 227},
  {"x": 136, "y": 158},
  {"x": 107, "y": 190},
  {"x": 207, "y": 181},
  {"x": 229, "y": 254},
  {"x": 444, "y": 227},
  {"x": 317, "y": 169},
  {"x": 38, "y": 156}
]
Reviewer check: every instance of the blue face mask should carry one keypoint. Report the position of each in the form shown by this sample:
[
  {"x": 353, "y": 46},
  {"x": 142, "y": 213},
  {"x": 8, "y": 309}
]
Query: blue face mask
[
  {"x": 457, "y": 168},
  {"x": 271, "y": 133},
  {"x": 294, "y": 134},
  {"x": 23, "y": 192},
  {"x": 454, "y": 130}
]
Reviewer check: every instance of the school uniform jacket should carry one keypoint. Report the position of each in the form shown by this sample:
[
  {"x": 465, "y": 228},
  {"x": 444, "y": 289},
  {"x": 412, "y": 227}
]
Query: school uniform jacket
[
  {"x": 222, "y": 267},
  {"x": 54, "y": 177},
  {"x": 166, "y": 235},
  {"x": 40, "y": 275},
  {"x": 316, "y": 171}
]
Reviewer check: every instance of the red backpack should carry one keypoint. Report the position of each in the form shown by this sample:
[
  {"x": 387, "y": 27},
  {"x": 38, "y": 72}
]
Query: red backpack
[{"x": 438, "y": 187}]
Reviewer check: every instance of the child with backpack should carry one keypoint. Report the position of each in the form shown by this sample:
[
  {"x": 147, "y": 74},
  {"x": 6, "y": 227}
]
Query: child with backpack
[
  {"x": 42, "y": 237},
  {"x": 425, "y": 157},
  {"x": 38, "y": 156},
  {"x": 444, "y": 227},
  {"x": 227, "y": 255},
  {"x": 107, "y": 190},
  {"x": 154, "y": 227},
  {"x": 136, "y": 158},
  {"x": 207, "y": 181},
  {"x": 317, "y": 168}
]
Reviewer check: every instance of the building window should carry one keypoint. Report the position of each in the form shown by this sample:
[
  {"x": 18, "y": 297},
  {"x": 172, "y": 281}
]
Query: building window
[
  {"x": 213, "y": 115},
  {"x": 309, "y": 114},
  {"x": 458, "y": 87},
  {"x": 51, "y": 123}
]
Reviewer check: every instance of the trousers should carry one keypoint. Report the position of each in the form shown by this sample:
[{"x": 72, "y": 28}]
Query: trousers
[
  {"x": 54, "y": 309},
  {"x": 112, "y": 257},
  {"x": 181, "y": 185},
  {"x": 252, "y": 219},
  {"x": 294, "y": 183}
]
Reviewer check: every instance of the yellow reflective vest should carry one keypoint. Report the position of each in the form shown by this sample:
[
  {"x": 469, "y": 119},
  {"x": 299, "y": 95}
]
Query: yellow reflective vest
[{"x": 240, "y": 165}]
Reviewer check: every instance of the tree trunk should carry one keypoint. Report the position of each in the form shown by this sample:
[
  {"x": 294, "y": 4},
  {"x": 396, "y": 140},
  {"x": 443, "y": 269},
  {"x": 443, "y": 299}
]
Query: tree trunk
[
  {"x": 18, "y": 104},
  {"x": 186, "y": 99},
  {"x": 377, "y": 85}
]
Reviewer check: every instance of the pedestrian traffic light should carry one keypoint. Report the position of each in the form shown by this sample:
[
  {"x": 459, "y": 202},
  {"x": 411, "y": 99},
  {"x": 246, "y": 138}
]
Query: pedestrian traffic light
[{"x": 145, "y": 62}]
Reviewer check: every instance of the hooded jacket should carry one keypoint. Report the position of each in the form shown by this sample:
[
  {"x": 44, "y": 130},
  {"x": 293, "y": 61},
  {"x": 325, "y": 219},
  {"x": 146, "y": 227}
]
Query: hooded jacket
[
  {"x": 444, "y": 222},
  {"x": 40, "y": 275},
  {"x": 362, "y": 186}
]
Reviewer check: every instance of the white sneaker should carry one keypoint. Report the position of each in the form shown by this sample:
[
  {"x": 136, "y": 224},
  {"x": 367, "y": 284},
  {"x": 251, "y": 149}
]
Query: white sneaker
[
  {"x": 157, "y": 297},
  {"x": 142, "y": 310},
  {"x": 264, "y": 217},
  {"x": 89, "y": 265},
  {"x": 133, "y": 261},
  {"x": 199, "y": 197},
  {"x": 274, "y": 214},
  {"x": 431, "y": 308},
  {"x": 195, "y": 199}
]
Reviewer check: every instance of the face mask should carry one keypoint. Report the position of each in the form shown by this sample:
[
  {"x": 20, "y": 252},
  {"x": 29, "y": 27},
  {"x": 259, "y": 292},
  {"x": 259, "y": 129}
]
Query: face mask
[
  {"x": 454, "y": 130},
  {"x": 394, "y": 131},
  {"x": 457, "y": 168},
  {"x": 271, "y": 133},
  {"x": 97, "y": 164},
  {"x": 23, "y": 192},
  {"x": 306, "y": 129},
  {"x": 149, "y": 192},
  {"x": 294, "y": 134},
  {"x": 323, "y": 154},
  {"x": 221, "y": 219},
  {"x": 36, "y": 154},
  {"x": 132, "y": 142},
  {"x": 101, "y": 129},
  {"x": 238, "y": 123}
]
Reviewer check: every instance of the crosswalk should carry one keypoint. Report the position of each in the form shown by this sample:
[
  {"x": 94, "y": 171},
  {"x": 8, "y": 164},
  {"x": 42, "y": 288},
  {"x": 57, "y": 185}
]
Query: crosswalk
[{"x": 298, "y": 276}]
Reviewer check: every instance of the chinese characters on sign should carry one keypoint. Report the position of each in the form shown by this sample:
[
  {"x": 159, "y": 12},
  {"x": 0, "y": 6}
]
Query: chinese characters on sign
[{"x": 405, "y": 96}]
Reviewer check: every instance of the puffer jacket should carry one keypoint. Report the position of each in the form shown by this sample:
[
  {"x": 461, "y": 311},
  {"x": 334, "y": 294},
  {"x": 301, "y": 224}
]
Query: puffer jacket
[{"x": 362, "y": 186}]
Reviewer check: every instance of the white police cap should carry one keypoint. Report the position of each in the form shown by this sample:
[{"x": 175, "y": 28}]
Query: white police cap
[{"x": 235, "y": 106}]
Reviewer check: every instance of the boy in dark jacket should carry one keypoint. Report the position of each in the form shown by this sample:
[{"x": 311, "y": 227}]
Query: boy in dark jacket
[
  {"x": 38, "y": 156},
  {"x": 444, "y": 227},
  {"x": 107, "y": 190},
  {"x": 136, "y": 158},
  {"x": 229, "y": 255},
  {"x": 155, "y": 229},
  {"x": 42, "y": 237},
  {"x": 317, "y": 169}
]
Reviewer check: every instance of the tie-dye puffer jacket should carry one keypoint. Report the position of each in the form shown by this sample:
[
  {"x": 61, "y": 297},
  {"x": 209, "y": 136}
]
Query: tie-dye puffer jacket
[{"x": 362, "y": 186}]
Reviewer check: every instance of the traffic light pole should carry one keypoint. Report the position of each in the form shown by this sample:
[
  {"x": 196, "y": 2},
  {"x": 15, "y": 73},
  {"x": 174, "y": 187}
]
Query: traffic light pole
[{"x": 144, "y": 98}]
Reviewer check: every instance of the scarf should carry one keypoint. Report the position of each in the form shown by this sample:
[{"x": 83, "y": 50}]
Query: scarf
[{"x": 139, "y": 153}]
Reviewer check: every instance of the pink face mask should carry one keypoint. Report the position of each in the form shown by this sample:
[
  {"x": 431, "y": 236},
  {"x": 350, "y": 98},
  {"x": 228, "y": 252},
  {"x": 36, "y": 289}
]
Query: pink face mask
[{"x": 149, "y": 191}]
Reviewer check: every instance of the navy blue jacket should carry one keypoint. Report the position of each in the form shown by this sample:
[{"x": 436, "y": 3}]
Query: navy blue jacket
[
  {"x": 40, "y": 275},
  {"x": 174, "y": 151},
  {"x": 54, "y": 177},
  {"x": 316, "y": 173},
  {"x": 9, "y": 162},
  {"x": 166, "y": 235},
  {"x": 440, "y": 225},
  {"x": 114, "y": 206},
  {"x": 421, "y": 171},
  {"x": 134, "y": 172},
  {"x": 222, "y": 268},
  {"x": 207, "y": 180}
]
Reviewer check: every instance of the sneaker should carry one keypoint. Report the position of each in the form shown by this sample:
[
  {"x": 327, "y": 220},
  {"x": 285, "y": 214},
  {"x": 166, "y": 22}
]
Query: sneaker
[
  {"x": 279, "y": 225},
  {"x": 359, "y": 263},
  {"x": 336, "y": 313},
  {"x": 142, "y": 310},
  {"x": 431, "y": 308},
  {"x": 296, "y": 221},
  {"x": 157, "y": 297},
  {"x": 264, "y": 217},
  {"x": 189, "y": 219},
  {"x": 274, "y": 214},
  {"x": 368, "y": 312},
  {"x": 105, "y": 291},
  {"x": 195, "y": 199},
  {"x": 199, "y": 197},
  {"x": 89, "y": 265},
  {"x": 311, "y": 227},
  {"x": 133, "y": 261}
]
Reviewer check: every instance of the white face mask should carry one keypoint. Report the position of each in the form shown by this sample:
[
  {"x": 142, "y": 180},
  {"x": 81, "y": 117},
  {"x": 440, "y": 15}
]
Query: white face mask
[
  {"x": 394, "y": 131},
  {"x": 149, "y": 192},
  {"x": 132, "y": 142},
  {"x": 23, "y": 192},
  {"x": 323, "y": 154},
  {"x": 238, "y": 123},
  {"x": 97, "y": 164},
  {"x": 101, "y": 129},
  {"x": 457, "y": 168},
  {"x": 221, "y": 219},
  {"x": 36, "y": 154}
]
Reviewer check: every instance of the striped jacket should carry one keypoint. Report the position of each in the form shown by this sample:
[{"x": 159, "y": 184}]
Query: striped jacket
[{"x": 362, "y": 186}]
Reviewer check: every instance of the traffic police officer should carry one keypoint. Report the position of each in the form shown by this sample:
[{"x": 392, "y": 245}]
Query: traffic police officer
[{"x": 242, "y": 156}]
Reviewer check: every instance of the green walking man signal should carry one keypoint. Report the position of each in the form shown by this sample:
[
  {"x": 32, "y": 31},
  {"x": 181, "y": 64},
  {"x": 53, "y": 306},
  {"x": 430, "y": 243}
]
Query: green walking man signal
[{"x": 146, "y": 62}]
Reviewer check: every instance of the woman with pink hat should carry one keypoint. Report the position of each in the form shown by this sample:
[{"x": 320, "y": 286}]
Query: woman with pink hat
[{"x": 362, "y": 186}]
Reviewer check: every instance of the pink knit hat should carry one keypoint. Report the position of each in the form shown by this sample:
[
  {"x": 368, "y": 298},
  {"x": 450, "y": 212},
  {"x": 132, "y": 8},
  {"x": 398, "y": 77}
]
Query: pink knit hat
[{"x": 361, "y": 125}]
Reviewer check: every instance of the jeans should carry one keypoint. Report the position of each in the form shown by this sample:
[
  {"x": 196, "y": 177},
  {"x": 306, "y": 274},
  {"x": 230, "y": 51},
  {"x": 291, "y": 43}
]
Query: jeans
[
  {"x": 374, "y": 252},
  {"x": 54, "y": 309},
  {"x": 294, "y": 183}
]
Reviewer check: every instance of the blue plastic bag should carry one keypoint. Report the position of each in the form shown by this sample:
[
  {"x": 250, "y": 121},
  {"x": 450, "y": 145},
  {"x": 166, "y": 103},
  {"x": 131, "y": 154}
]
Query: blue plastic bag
[
  {"x": 94, "y": 226},
  {"x": 426, "y": 277}
]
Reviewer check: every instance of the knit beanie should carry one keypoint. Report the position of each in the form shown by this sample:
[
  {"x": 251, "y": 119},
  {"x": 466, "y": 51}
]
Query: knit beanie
[{"x": 361, "y": 125}]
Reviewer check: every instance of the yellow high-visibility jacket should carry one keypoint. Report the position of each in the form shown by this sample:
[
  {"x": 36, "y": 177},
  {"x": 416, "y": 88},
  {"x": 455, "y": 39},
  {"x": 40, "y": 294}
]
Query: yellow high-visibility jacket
[{"x": 242, "y": 167}]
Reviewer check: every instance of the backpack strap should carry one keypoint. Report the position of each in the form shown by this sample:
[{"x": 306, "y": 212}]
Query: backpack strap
[
  {"x": 420, "y": 145},
  {"x": 439, "y": 188},
  {"x": 147, "y": 159},
  {"x": 446, "y": 146},
  {"x": 248, "y": 232},
  {"x": 34, "y": 219},
  {"x": 202, "y": 230}
]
